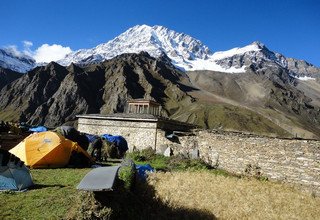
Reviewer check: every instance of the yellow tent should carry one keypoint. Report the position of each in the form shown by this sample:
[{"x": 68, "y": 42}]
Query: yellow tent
[{"x": 48, "y": 149}]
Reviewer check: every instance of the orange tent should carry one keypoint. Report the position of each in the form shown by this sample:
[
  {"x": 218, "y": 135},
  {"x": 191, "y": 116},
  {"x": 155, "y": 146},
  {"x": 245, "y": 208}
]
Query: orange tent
[{"x": 47, "y": 149}]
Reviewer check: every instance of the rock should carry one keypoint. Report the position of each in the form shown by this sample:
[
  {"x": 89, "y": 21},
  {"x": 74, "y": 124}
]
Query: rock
[
  {"x": 168, "y": 152},
  {"x": 214, "y": 158},
  {"x": 161, "y": 149},
  {"x": 184, "y": 153},
  {"x": 194, "y": 154}
]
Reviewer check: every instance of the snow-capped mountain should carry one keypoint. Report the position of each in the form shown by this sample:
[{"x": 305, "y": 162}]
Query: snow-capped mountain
[
  {"x": 19, "y": 62},
  {"x": 186, "y": 52},
  {"x": 255, "y": 53},
  {"x": 157, "y": 40}
]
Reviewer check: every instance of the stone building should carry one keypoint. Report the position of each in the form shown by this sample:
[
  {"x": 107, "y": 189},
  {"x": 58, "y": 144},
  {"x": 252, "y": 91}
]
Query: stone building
[{"x": 141, "y": 125}]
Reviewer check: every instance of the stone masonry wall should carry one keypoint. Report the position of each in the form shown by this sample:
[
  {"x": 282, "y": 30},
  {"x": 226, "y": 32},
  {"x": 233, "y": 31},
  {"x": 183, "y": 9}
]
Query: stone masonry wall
[
  {"x": 138, "y": 134},
  {"x": 291, "y": 161}
]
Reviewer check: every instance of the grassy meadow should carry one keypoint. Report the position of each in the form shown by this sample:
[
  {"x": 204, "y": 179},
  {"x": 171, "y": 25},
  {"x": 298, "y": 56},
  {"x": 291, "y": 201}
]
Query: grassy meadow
[
  {"x": 52, "y": 196},
  {"x": 183, "y": 189}
]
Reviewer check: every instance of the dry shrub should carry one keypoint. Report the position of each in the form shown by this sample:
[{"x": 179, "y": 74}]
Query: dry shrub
[
  {"x": 233, "y": 198},
  {"x": 88, "y": 207}
]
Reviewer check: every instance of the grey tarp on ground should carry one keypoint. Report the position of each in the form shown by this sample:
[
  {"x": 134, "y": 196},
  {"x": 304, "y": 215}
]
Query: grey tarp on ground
[{"x": 99, "y": 179}]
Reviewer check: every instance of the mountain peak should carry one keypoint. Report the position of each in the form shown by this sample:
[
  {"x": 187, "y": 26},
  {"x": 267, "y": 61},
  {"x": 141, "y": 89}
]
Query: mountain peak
[
  {"x": 258, "y": 44},
  {"x": 184, "y": 51},
  {"x": 156, "y": 40}
]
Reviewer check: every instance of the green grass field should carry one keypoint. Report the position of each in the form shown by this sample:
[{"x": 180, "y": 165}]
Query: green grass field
[
  {"x": 187, "y": 190},
  {"x": 52, "y": 196}
]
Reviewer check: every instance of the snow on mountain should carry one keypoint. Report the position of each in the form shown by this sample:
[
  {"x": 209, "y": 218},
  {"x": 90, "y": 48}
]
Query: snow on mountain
[
  {"x": 19, "y": 62},
  {"x": 185, "y": 52},
  {"x": 254, "y": 54},
  {"x": 180, "y": 48},
  {"x": 236, "y": 51}
]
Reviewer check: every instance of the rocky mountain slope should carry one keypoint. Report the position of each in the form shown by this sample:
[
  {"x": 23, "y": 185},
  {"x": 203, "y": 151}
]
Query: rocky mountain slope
[
  {"x": 54, "y": 94},
  {"x": 270, "y": 93},
  {"x": 256, "y": 101},
  {"x": 16, "y": 61},
  {"x": 7, "y": 76}
]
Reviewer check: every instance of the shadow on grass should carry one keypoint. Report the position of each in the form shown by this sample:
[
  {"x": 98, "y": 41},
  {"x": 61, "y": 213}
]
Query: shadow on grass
[
  {"x": 41, "y": 186},
  {"x": 142, "y": 203}
]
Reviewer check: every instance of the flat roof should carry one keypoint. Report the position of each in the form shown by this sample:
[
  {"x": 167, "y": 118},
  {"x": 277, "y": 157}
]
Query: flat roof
[
  {"x": 143, "y": 101},
  {"x": 122, "y": 116},
  {"x": 134, "y": 117}
]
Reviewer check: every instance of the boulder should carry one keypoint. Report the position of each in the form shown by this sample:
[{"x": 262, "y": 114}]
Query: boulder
[{"x": 168, "y": 152}]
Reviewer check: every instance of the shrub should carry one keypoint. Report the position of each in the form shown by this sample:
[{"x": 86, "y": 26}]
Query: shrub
[
  {"x": 160, "y": 162},
  {"x": 126, "y": 174}
]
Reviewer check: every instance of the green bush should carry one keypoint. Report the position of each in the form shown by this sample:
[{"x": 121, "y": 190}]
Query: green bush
[
  {"x": 126, "y": 174},
  {"x": 143, "y": 155},
  {"x": 181, "y": 163},
  {"x": 160, "y": 162}
]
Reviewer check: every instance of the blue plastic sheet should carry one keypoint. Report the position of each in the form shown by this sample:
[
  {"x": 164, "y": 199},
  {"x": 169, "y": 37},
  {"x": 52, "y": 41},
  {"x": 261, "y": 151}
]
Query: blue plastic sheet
[
  {"x": 143, "y": 170},
  {"x": 38, "y": 129}
]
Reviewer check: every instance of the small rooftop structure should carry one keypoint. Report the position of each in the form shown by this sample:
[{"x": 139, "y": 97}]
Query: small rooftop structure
[{"x": 143, "y": 106}]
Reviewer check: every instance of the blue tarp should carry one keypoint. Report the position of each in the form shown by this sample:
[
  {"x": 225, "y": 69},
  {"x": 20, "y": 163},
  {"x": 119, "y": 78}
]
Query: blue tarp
[
  {"x": 119, "y": 141},
  {"x": 143, "y": 170},
  {"x": 38, "y": 129},
  {"x": 91, "y": 137}
]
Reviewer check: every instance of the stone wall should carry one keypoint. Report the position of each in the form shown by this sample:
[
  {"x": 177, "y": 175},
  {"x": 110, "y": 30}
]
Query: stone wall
[
  {"x": 139, "y": 135},
  {"x": 291, "y": 161}
]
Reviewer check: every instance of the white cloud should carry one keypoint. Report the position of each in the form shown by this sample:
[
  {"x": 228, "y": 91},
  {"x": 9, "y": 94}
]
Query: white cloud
[
  {"x": 27, "y": 44},
  {"x": 26, "y": 47},
  {"x": 13, "y": 49},
  {"x": 47, "y": 53}
]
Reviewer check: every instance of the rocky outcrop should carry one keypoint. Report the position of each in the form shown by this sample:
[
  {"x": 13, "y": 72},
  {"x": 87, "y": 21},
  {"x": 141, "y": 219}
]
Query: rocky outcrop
[
  {"x": 7, "y": 76},
  {"x": 302, "y": 68}
]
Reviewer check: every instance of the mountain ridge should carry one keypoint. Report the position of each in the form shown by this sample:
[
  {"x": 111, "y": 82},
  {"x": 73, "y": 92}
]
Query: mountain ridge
[
  {"x": 184, "y": 51},
  {"x": 260, "y": 101}
]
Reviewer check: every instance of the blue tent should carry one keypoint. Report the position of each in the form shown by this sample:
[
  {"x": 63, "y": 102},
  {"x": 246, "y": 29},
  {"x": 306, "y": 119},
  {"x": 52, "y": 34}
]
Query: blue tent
[
  {"x": 38, "y": 129},
  {"x": 14, "y": 175},
  {"x": 119, "y": 141}
]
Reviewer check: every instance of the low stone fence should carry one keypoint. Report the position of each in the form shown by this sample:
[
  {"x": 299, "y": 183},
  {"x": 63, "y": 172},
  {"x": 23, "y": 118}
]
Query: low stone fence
[{"x": 290, "y": 161}]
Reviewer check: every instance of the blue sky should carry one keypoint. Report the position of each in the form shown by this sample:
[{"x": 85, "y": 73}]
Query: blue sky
[{"x": 291, "y": 27}]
